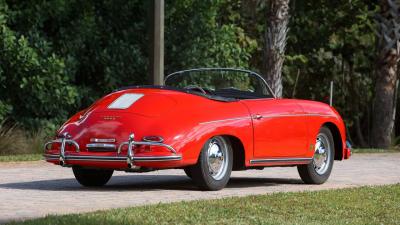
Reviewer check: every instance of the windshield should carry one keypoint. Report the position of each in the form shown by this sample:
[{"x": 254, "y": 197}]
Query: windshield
[{"x": 229, "y": 83}]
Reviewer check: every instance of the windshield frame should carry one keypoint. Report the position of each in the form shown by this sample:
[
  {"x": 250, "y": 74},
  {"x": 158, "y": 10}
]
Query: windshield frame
[{"x": 251, "y": 73}]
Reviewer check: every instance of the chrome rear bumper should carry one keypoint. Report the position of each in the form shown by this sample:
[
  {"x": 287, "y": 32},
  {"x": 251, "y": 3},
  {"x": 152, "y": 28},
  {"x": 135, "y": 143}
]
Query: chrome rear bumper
[
  {"x": 114, "y": 158},
  {"x": 129, "y": 158},
  {"x": 65, "y": 139}
]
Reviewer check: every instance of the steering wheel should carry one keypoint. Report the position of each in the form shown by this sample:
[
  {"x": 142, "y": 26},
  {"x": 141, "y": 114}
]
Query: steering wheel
[{"x": 195, "y": 87}]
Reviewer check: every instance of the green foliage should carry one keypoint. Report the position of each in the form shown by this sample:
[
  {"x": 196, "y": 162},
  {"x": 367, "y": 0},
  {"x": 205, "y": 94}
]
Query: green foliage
[
  {"x": 196, "y": 38},
  {"x": 5, "y": 109},
  {"x": 102, "y": 43},
  {"x": 336, "y": 43},
  {"x": 33, "y": 82},
  {"x": 218, "y": 80},
  {"x": 57, "y": 57},
  {"x": 60, "y": 56}
]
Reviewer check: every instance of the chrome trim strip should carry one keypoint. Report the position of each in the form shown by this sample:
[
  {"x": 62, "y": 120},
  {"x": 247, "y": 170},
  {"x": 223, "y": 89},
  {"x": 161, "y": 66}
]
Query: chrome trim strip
[
  {"x": 102, "y": 140},
  {"x": 225, "y": 120},
  {"x": 96, "y": 158},
  {"x": 317, "y": 114},
  {"x": 157, "y": 158},
  {"x": 87, "y": 158},
  {"x": 50, "y": 156},
  {"x": 295, "y": 115},
  {"x": 117, "y": 158},
  {"x": 266, "y": 116},
  {"x": 256, "y": 161},
  {"x": 101, "y": 145}
]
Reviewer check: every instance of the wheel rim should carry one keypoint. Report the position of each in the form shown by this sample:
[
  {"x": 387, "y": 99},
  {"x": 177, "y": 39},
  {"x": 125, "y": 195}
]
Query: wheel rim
[
  {"x": 322, "y": 154},
  {"x": 217, "y": 158}
]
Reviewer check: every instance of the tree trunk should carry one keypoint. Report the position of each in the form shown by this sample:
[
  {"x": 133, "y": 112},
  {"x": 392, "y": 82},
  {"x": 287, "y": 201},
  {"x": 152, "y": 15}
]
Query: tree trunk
[
  {"x": 275, "y": 43},
  {"x": 386, "y": 73}
]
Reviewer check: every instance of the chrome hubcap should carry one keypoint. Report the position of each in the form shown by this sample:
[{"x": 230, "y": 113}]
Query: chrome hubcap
[
  {"x": 322, "y": 154},
  {"x": 217, "y": 158}
]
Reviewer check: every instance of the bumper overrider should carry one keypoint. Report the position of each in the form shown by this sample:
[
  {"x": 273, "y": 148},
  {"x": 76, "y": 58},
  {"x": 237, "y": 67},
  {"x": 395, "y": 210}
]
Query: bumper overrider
[{"x": 130, "y": 158}]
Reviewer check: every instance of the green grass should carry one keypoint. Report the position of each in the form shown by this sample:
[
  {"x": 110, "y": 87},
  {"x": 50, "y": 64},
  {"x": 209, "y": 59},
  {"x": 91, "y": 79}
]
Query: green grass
[
  {"x": 366, "y": 205},
  {"x": 373, "y": 150},
  {"x": 21, "y": 157}
]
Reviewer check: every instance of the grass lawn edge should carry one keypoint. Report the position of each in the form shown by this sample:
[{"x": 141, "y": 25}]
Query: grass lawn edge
[{"x": 353, "y": 205}]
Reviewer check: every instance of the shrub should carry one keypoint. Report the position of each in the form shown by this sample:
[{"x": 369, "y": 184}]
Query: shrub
[
  {"x": 33, "y": 80},
  {"x": 16, "y": 141},
  {"x": 59, "y": 56},
  {"x": 12, "y": 140}
]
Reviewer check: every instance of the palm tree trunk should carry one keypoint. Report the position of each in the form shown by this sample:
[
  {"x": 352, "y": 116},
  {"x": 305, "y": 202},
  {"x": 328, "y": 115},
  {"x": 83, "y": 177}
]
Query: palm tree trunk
[
  {"x": 386, "y": 73},
  {"x": 275, "y": 43}
]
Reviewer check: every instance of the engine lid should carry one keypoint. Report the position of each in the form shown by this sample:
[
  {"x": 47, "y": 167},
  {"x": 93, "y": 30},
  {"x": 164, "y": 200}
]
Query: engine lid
[{"x": 141, "y": 103}]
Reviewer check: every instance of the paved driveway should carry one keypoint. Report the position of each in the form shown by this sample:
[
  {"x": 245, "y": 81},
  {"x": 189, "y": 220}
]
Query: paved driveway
[{"x": 29, "y": 190}]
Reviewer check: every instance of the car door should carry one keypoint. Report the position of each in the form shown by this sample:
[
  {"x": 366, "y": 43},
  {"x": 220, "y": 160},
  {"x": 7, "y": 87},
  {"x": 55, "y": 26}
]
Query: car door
[{"x": 279, "y": 128}]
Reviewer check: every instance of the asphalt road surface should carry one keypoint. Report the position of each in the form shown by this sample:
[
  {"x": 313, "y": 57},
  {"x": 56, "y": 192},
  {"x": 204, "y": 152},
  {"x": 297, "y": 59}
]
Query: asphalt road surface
[{"x": 36, "y": 189}]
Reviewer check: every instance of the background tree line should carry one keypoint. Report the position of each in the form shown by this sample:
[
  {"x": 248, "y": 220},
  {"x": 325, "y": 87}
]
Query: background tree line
[{"x": 57, "y": 57}]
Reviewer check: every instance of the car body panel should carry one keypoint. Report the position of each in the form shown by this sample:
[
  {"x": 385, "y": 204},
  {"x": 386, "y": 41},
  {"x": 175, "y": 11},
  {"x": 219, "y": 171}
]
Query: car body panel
[
  {"x": 186, "y": 121},
  {"x": 279, "y": 128}
]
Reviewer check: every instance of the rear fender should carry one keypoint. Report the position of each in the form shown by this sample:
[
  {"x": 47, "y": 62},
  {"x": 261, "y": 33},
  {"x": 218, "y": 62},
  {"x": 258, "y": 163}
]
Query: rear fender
[{"x": 240, "y": 129}]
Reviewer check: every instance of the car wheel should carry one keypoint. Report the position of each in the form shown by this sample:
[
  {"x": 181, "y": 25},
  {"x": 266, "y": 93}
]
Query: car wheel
[
  {"x": 319, "y": 170},
  {"x": 187, "y": 172},
  {"x": 214, "y": 166},
  {"x": 92, "y": 177}
]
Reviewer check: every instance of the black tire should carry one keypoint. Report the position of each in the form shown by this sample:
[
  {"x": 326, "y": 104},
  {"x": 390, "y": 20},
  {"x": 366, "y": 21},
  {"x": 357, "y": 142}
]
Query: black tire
[
  {"x": 310, "y": 173},
  {"x": 187, "y": 172},
  {"x": 201, "y": 172},
  {"x": 92, "y": 177}
]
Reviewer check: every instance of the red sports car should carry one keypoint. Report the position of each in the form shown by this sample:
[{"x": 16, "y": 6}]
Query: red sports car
[{"x": 207, "y": 122}]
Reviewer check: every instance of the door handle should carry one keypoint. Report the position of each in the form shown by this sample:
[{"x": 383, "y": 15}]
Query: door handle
[{"x": 257, "y": 117}]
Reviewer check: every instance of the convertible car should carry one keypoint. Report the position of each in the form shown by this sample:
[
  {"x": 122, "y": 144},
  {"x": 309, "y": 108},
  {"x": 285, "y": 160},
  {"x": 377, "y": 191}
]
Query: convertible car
[{"x": 208, "y": 122}]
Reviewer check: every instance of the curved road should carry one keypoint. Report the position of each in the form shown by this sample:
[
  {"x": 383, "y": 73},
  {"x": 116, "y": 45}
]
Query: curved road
[{"x": 35, "y": 189}]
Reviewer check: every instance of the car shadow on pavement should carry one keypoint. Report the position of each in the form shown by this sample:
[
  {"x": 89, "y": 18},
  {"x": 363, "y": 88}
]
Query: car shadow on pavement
[{"x": 144, "y": 183}]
